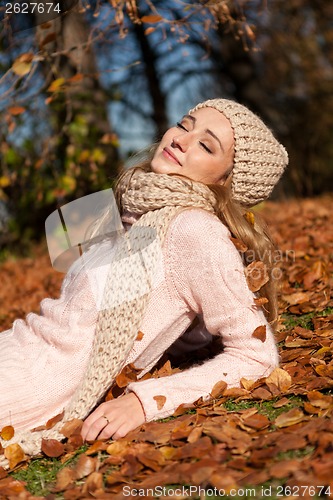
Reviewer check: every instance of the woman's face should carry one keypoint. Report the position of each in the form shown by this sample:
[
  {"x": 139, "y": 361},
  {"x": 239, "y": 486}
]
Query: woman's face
[{"x": 200, "y": 146}]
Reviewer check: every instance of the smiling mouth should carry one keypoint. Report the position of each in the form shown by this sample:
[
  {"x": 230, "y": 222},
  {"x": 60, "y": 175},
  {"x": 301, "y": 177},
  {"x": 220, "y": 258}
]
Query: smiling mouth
[{"x": 170, "y": 156}]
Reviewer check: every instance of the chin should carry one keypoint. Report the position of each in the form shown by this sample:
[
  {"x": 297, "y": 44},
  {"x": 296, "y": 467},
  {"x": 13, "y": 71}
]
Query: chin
[{"x": 161, "y": 169}]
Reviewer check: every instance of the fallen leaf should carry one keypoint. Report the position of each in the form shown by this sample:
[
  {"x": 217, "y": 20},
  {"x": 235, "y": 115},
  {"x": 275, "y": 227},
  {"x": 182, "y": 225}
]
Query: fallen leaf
[
  {"x": 14, "y": 455},
  {"x": 241, "y": 247},
  {"x": 85, "y": 466},
  {"x": 71, "y": 427},
  {"x": 256, "y": 275},
  {"x": 291, "y": 417},
  {"x": 260, "y": 333},
  {"x": 52, "y": 448},
  {"x": 160, "y": 401},
  {"x": 260, "y": 301},
  {"x": 7, "y": 432},
  {"x": 139, "y": 335},
  {"x": 65, "y": 477},
  {"x": 12, "y": 488},
  {"x": 54, "y": 420},
  {"x": 280, "y": 378},
  {"x": 93, "y": 484},
  {"x": 218, "y": 389}
]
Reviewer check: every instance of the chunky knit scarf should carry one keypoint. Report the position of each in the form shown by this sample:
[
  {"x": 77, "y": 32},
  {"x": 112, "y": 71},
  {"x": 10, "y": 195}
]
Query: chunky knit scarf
[{"x": 156, "y": 198}]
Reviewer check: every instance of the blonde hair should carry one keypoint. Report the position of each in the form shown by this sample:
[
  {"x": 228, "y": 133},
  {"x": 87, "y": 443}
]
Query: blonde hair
[{"x": 253, "y": 234}]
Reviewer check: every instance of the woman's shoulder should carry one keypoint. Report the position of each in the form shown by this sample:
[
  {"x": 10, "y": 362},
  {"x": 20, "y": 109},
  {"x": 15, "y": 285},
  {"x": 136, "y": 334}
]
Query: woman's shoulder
[{"x": 194, "y": 223}]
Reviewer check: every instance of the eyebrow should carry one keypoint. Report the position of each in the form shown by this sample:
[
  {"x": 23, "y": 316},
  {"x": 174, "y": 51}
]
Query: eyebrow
[{"x": 210, "y": 132}]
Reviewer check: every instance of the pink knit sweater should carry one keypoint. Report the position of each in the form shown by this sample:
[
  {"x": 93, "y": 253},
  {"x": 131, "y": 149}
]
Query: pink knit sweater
[{"x": 43, "y": 358}]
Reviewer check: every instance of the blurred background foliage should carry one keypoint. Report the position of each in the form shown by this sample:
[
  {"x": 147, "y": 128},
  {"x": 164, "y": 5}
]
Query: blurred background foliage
[{"x": 83, "y": 91}]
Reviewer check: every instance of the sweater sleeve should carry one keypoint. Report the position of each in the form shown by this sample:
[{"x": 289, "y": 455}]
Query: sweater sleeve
[{"x": 206, "y": 272}]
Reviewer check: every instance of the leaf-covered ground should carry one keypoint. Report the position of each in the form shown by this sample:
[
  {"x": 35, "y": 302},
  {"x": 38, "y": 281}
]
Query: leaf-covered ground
[{"x": 271, "y": 439}]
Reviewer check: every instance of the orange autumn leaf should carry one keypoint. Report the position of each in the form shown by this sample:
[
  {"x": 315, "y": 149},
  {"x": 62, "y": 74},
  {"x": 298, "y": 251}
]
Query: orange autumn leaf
[
  {"x": 72, "y": 427},
  {"x": 54, "y": 420},
  {"x": 65, "y": 477},
  {"x": 260, "y": 333},
  {"x": 160, "y": 401},
  {"x": 249, "y": 216},
  {"x": 7, "y": 432},
  {"x": 16, "y": 110},
  {"x": 218, "y": 389},
  {"x": 85, "y": 466},
  {"x": 319, "y": 400},
  {"x": 14, "y": 455},
  {"x": 292, "y": 417},
  {"x": 256, "y": 275},
  {"x": 280, "y": 378},
  {"x": 139, "y": 335},
  {"x": 259, "y": 301},
  {"x": 241, "y": 247},
  {"x": 52, "y": 448},
  {"x": 152, "y": 19},
  {"x": 325, "y": 370}
]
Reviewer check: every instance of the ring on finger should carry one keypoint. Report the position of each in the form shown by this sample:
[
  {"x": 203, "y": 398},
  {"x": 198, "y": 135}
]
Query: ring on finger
[{"x": 106, "y": 418}]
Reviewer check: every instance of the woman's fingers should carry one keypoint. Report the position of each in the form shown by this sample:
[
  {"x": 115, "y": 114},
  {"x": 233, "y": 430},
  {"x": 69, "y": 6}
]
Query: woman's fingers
[{"x": 114, "y": 419}]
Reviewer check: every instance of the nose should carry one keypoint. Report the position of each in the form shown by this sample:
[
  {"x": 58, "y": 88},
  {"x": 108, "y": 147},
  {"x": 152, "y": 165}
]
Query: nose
[{"x": 180, "y": 141}]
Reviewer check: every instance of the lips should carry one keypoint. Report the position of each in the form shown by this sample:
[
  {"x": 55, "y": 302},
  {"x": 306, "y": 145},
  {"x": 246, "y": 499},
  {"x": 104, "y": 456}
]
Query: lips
[{"x": 170, "y": 156}]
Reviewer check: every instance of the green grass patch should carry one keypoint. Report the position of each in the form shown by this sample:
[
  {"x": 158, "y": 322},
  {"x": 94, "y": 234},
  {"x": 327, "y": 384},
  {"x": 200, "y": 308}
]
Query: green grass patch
[
  {"x": 265, "y": 407},
  {"x": 304, "y": 320},
  {"x": 41, "y": 473}
]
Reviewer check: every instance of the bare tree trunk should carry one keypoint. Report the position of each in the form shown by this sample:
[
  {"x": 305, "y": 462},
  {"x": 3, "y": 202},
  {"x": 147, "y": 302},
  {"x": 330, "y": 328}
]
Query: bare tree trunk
[
  {"x": 65, "y": 40},
  {"x": 156, "y": 93}
]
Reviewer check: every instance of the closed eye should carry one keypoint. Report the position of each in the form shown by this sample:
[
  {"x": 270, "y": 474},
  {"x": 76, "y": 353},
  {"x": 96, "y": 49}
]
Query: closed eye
[
  {"x": 180, "y": 125},
  {"x": 206, "y": 148}
]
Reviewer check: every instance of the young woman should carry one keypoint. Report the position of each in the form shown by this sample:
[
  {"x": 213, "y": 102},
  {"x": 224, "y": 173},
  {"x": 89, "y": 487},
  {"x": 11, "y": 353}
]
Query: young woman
[{"x": 181, "y": 207}]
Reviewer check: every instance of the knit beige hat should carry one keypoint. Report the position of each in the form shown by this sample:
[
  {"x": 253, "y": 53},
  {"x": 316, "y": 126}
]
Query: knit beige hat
[{"x": 259, "y": 159}]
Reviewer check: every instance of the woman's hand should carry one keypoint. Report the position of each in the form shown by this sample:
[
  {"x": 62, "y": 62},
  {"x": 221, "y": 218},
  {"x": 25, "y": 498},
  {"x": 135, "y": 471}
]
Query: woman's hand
[{"x": 114, "y": 418}]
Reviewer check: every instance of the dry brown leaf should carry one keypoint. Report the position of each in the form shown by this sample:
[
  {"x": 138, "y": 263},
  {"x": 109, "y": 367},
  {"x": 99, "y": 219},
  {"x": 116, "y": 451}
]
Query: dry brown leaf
[
  {"x": 96, "y": 447},
  {"x": 16, "y": 110},
  {"x": 241, "y": 247},
  {"x": 260, "y": 301},
  {"x": 12, "y": 488},
  {"x": 218, "y": 389},
  {"x": 325, "y": 370},
  {"x": 54, "y": 420},
  {"x": 152, "y": 19},
  {"x": 160, "y": 401},
  {"x": 247, "y": 384},
  {"x": 14, "y": 455},
  {"x": 65, "y": 477},
  {"x": 257, "y": 421},
  {"x": 7, "y": 432},
  {"x": 52, "y": 448},
  {"x": 280, "y": 378},
  {"x": 139, "y": 335},
  {"x": 72, "y": 427},
  {"x": 127, "y": 375},
  {"x": 317, "y": 399},
  {"x": 93, "y": 484},
  {"x": 296, "y": 298},
  {"x": 118, "y": 448},
  {"x": 249, "y": 216},
  {"x": 292, "y": 417},
  {"x": 256, "y": 275},
  {"x": 260, "y": 333},
  {"x": 85, "y": 466}
]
